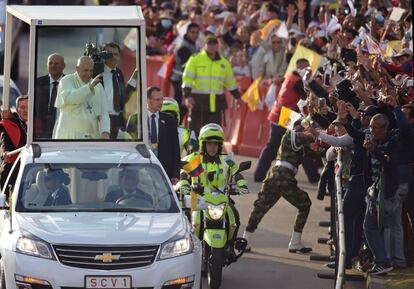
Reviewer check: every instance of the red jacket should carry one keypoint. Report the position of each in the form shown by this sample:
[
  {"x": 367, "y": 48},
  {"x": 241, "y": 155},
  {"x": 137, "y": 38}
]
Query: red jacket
[{"x": 287, "y": 97}]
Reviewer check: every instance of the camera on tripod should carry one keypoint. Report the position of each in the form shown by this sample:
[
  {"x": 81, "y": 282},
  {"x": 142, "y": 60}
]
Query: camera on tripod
[{"x": 98, "y": 57}]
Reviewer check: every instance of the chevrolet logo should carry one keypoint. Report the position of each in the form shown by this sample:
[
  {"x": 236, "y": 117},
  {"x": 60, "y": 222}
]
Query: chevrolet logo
[{"x": 107, "y": 257}]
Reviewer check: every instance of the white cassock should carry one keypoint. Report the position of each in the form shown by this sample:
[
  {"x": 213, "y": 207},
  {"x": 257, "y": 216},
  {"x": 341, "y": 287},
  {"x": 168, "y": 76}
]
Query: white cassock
[{"x": 83, "y": 112}]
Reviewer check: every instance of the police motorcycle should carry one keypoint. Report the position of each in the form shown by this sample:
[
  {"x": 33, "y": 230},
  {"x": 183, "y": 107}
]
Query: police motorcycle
[
  {"x": 208, "y": 179},
  {"x": 215, "y": 223}
]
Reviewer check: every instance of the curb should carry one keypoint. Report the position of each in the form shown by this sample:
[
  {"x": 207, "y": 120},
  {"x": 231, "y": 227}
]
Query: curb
[{"x": 376, "y": 282}]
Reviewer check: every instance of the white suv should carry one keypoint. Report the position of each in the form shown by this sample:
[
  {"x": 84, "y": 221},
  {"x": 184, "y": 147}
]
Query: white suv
[{"x": 94, "y": 218}]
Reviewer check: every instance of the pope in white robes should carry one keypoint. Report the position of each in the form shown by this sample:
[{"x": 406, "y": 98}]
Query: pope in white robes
[{"x": 82, "y": 105}]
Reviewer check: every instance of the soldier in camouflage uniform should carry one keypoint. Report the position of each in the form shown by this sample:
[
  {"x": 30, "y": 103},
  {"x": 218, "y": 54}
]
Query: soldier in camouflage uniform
[{"x": 280, "y": 182}]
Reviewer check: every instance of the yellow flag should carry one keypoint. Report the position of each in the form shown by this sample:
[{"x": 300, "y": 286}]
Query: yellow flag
[
  {"x": 303, "y": 52},
  {"x": 270, "y": 27},
  {"x": 288, "y": 117},
  {"x": 393, "y": 47},
  {"x": 252, "y": 95}
]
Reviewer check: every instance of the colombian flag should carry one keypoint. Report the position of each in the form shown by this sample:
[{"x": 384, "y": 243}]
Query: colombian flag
[{"x": 194, "y": 167}]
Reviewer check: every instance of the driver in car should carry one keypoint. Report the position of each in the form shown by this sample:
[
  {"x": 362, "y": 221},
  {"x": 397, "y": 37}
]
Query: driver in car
[
  {"x": 128, "y": 188},
  {"x": 54, "y": 183}
]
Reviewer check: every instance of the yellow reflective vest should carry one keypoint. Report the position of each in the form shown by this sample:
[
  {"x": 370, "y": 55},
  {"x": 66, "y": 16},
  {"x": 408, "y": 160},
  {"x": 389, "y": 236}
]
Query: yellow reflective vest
[
  {"x": 207, "y": 76},
  {"x": 222, "y": 169}
]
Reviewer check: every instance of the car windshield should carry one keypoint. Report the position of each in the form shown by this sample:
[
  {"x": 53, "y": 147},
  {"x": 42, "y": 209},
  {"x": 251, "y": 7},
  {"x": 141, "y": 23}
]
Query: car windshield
[{"x": 95, "y": 187}]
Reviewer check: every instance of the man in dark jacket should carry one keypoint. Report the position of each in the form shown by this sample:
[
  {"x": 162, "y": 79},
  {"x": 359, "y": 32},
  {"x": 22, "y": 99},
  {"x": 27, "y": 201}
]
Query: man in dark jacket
[
  {"x": 13, "y": 135},
  {"x": 356, "y": 125},
  {"x": 46, "y": 92},
  {"x": 183, "y": 52},
  {"x": 162, "y": 134}
]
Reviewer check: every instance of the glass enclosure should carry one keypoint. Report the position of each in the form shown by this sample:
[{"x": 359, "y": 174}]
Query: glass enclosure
[
  {"x": 94, "y": 99},
  {"x": 95, "y": 188}
]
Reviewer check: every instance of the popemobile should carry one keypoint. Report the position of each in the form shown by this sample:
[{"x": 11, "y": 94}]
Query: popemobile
[{"x": 80, "y": 209}]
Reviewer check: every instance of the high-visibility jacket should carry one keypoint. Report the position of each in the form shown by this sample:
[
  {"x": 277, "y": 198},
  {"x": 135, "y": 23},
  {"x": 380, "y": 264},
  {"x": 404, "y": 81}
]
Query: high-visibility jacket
[
  {"x": 222, "y": 170},
  {"x": 206, "y": 76},
  {"x": 286, "y": 97}
]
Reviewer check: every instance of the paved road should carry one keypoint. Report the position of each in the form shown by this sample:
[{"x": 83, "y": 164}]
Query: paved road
[{"x": 269, "y": 266}]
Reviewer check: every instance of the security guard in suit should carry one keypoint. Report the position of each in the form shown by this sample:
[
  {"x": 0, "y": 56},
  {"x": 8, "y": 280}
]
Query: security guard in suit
[
  {"x": 213, "y": 162},
  {"x": 187, "y": 138}
]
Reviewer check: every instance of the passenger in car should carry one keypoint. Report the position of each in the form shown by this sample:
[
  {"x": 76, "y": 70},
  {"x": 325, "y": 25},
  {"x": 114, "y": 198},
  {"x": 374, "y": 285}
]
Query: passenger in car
[
  {"x": 128, "y": 188},
  {"x": 58, "y": 193}
]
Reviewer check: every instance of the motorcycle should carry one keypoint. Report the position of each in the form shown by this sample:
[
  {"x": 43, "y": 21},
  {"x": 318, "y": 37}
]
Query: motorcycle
[{"x": 215, "y": 224}]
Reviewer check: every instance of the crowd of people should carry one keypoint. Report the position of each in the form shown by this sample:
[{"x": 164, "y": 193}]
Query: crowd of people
[
  {"x": 352, "y": 85},
  {"x": 357, "y": 100}
]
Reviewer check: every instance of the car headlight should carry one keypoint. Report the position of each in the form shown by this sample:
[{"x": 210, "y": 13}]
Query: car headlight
[
  {"x": 215, "y": 211},
  {"x": 33, "y": 247},
  {"x": 178, "y": 247}
]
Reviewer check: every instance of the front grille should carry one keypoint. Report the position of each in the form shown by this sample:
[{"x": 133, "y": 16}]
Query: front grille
[{"x": 82, "y": 256}]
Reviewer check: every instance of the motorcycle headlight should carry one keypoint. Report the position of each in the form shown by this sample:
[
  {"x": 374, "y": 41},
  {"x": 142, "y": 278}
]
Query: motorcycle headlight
[
  {"x": 33, "y": 247},
  {"x": 215, "y": 211},
  {"x": 178, "y": 247}
]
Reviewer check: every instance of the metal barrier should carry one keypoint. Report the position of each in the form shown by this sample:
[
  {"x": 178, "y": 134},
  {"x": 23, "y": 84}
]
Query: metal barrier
[
  {"x": 340, "y": 228},
  {"x": 337, "y": 232}
]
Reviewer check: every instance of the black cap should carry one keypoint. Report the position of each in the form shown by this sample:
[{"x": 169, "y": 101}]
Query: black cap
[{"x": 369, "y": 110}]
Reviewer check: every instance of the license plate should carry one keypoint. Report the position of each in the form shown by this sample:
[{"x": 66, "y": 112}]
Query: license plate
[{"x": 107, "y": 282}]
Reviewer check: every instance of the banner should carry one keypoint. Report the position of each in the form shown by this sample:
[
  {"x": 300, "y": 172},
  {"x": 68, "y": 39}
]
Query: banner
[
  {"x": 252, "y": 95},
  {"x": 270, "y": 28},
  {"x": 303, "y": 52},
  {"x": 288, "y": 117}
]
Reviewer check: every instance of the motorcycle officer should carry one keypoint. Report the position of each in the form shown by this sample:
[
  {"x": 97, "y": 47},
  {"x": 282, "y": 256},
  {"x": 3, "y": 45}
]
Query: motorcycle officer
[{"x": 215, "y": 164}]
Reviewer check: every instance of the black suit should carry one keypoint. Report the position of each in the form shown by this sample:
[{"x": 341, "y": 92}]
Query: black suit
[
  {"x": 168, "y": 143},
  {"x": 59, "y": 198},
  {"x": 44, "y": 118},
  {"x": 117, "y": 121},
  {"x": 113, "y": 196}
]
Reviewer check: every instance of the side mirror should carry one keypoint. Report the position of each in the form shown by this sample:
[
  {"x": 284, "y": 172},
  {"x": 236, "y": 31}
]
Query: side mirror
[
  {"x": 3, "y": 205},
  {"x": 244, "y": 166}
]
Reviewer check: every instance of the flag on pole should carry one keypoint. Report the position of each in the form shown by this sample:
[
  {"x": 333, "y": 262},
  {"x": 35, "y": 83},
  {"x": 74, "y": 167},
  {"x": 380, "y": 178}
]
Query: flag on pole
[
  {"x": 372, "y": 45},
  {"x": 252, "y": 95},
  {"x": 393, "y": 47},
  {"x": 194, "y": 167},
  {"x": 288, "y": 117},
  {"x": 282, "y": 31},
  {"x": 269, "y": 28},
  {"x": 303, "y": 52}
]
